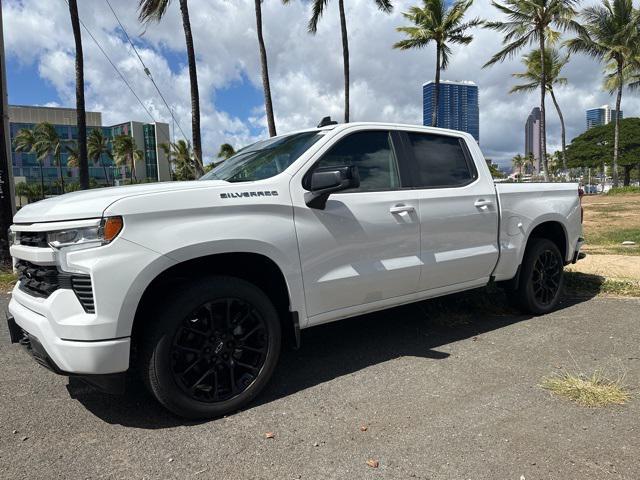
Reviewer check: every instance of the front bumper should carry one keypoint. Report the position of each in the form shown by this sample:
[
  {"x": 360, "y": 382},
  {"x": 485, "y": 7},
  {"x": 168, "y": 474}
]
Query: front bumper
[
  {"x": 67, "y": 356},
  {"x": 72, "y": 337},
  {"x": 109, "y": 383}
]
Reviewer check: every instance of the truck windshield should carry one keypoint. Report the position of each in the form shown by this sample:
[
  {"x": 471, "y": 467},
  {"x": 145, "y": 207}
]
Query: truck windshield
[{"x": 263, "y": 159}]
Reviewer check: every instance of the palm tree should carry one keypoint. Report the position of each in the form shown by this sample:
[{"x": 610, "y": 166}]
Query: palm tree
[
  {"x": 530, "y": 22},
  {"x": 226, "y": 151},
  {"x": 530, "y": 161},
  {"x": 266, "y": 86},
  {"x": 125, "y": 152},
  {"x": 98, "y": 148},
  {"x": 318, "y": 10},
  {"x": 553, "y": 64},
  {"x": 442, "y": 24},
  {"x": 518, "y": 162},
  {"x": 73, "y": 156},
  {"x": 48, "y": 143},
  {"x": 610, "y": 34},
  {"x": 25, "y": 142},
  {"x": 138, "y": 156},
  {"x": 154, "y": 10},
  {"x": 80, "y": 109},
  {"x": 181, "y": 156}
]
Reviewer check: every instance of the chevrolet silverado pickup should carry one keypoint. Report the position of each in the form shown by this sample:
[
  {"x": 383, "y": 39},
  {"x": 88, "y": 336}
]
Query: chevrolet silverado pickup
[{"x": 194, "y": 286}]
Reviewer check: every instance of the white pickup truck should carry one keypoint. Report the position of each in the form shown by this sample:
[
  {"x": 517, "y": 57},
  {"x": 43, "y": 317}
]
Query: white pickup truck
[{"x": 194, "y": 285}]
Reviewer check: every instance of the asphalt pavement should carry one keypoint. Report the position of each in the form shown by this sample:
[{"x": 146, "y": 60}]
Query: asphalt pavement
[{"x": 421, "y": 399}]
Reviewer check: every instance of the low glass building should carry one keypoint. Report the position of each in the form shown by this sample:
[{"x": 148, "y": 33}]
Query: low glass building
[{"x": 148, "y": 137}]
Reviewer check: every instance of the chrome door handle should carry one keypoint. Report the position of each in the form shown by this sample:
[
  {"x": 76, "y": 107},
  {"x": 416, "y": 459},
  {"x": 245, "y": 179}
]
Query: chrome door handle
[
  {"x": 402, "y": 208},
  {"x": 482, "y": 203}
]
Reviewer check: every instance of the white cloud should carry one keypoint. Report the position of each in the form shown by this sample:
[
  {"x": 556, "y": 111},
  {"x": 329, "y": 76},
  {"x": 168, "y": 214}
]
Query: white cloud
[{"x": 306, "y": 70}]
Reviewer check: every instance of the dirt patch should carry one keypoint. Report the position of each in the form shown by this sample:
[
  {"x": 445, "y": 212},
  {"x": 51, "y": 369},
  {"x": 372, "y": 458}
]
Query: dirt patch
[{"x": 610, "y": 266}]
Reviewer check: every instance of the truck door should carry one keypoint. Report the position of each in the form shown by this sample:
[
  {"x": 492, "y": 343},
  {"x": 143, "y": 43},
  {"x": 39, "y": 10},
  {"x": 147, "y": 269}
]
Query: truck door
[
  {"x": 458, "y": 211},
  {"x": 363, "y": 247}
]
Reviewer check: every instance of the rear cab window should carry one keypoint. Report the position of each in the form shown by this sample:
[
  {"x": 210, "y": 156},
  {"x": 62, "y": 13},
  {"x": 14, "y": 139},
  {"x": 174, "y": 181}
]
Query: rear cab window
[{"x": 439, "y": 161}]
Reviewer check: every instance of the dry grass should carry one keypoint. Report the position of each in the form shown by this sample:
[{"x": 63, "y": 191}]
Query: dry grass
[
  {"x": 588, "y": 391},
  {"x": 609, "y": 220}
]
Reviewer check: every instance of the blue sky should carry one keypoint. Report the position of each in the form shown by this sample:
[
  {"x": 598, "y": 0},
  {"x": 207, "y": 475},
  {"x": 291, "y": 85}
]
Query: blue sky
[
  {"x": 240, "y": 98},
  {"x": 26, "y": 87}
]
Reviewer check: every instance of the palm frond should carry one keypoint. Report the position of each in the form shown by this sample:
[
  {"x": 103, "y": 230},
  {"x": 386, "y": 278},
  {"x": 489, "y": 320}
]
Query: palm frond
[
  {"x": 152, "y": 10},
  {"x": 317, "y": 11}
]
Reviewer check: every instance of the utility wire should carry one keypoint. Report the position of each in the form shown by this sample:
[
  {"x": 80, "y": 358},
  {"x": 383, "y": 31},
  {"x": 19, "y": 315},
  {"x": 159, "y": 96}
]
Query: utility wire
[
  {"x": 115, "y": 67},
  {"x": 146, "y": 69}
]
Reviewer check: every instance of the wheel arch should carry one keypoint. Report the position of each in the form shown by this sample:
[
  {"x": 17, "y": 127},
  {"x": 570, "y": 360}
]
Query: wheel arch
[
  {"x": 255, "y": 268},
  {"x": 553, "y": 230}
]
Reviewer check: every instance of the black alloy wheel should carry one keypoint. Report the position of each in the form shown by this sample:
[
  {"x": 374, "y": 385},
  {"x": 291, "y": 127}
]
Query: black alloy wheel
[
  {"x": 547, "y": 271},
  {"x": 219, "y": 350},
  {"x": 209, "y": 346},
  {"x": 541, "y": 277}
]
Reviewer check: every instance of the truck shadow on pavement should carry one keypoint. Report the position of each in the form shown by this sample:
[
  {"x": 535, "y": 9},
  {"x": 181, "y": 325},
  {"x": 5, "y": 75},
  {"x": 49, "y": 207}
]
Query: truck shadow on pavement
[{"x": 337, "y": 349}]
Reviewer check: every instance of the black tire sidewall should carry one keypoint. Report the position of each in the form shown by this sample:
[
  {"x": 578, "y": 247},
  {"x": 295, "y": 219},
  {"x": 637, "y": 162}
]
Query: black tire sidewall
[
  {"x": 168, "y": 315},
  {"x": 526, "y": 295}
]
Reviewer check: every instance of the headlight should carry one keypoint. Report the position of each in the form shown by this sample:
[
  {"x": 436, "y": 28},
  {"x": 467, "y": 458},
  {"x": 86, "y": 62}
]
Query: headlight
[
  {"x": 12, "y": 237},
  {"x": 103, "y": 232}
]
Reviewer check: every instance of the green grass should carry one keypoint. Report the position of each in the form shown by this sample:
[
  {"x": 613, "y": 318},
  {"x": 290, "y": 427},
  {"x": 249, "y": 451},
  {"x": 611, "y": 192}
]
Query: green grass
[
  {"x": 624, "y": 191},
  {"x": 7, "y": 280},
  {"x": 613, "y": 237},
  {"x": 594, "y": 390},
  {"x": 584, "y": 284}
]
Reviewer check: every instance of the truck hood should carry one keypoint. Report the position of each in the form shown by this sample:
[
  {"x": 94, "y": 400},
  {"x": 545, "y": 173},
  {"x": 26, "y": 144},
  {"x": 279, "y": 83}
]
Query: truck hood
[{"x": 92, "y": 203}]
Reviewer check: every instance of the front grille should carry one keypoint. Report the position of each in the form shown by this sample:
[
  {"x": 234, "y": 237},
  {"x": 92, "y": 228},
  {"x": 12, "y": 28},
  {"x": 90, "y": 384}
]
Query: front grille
[
  {"x": 42, "y": 281},
  {"x": 37, "y": 280},
  {"x": 33, "y": 239}
]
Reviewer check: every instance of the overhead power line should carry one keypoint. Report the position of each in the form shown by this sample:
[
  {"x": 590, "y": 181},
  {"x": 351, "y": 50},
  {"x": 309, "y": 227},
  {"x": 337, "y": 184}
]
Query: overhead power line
[
  {"x": 115, "y": 67},
  {"x": 146, "y": 69}
]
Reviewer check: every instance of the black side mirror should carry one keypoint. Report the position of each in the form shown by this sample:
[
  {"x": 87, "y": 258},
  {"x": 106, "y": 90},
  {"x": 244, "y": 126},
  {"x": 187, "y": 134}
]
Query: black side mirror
[{"x": 331, "y": 180}]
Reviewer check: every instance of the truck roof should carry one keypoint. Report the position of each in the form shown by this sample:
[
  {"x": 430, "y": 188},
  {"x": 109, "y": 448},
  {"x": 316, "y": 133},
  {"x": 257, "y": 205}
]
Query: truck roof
[{"x": 342, "y": 126}]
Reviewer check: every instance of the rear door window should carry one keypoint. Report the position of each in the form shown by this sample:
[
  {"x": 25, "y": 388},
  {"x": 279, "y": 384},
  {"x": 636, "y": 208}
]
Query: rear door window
[{"x": 440, "y": 161}]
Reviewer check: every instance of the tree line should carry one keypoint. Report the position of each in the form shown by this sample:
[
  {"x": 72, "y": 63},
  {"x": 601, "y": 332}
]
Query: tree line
[{"x": 608, "y": 31}]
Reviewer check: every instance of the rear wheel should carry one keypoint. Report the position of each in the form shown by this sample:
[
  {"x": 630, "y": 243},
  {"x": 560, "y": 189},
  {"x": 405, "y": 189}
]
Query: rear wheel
[
  {"x": 212, "y": 349},
  {"x": 541, "y": 277}
]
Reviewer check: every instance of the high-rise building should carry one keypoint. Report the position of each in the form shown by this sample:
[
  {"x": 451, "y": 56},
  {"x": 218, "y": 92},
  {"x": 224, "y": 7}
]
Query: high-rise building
[
  {"x": 154, "y": 166},
  {"x": 532, "y": 136},
  {"x": 457, "y": 106},
  {"x": 601, "y": 116}
]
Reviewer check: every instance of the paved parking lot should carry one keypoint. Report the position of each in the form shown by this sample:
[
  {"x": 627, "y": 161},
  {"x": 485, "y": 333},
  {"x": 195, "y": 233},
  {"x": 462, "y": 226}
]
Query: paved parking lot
[{"x": 438, "y": 402}]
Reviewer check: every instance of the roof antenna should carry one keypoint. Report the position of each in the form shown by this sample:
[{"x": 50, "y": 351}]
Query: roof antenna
[{"x": 326, "y": 121}]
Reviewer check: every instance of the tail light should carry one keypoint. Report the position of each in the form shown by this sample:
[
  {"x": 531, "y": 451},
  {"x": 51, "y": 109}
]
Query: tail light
[{"x": 580, "y": 195}]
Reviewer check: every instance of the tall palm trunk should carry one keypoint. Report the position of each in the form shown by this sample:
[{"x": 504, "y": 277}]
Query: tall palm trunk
[
  {"x": 616, "y": 128},
  {"x": 83, "y": 162},
  {"x": 436, "y": 90},
  {"x": 106, "y": 173},
  {"x": 345, "y": 58},
  {"x": 133, "y": 169},
  {"x": 543, "y": 126},
  {"x": 562, "y": 129},
  {"x": 195, "y": 95},
  {"x": 268, "y": 105},
  {"x": 41, "y": 180},
  {"x": 59, "y": 161}
]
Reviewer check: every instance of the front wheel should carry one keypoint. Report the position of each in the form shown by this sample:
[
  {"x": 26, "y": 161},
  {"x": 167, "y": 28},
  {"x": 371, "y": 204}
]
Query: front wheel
[
  {"x": 210, "y": 349},
  {"x": 541, "y": 277}
]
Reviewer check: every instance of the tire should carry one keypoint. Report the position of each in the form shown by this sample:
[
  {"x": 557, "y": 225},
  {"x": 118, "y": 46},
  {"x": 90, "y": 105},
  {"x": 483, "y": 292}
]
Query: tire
[
  {"x": 541, "y": 278},
  {"x": 210, "y": 346}
]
